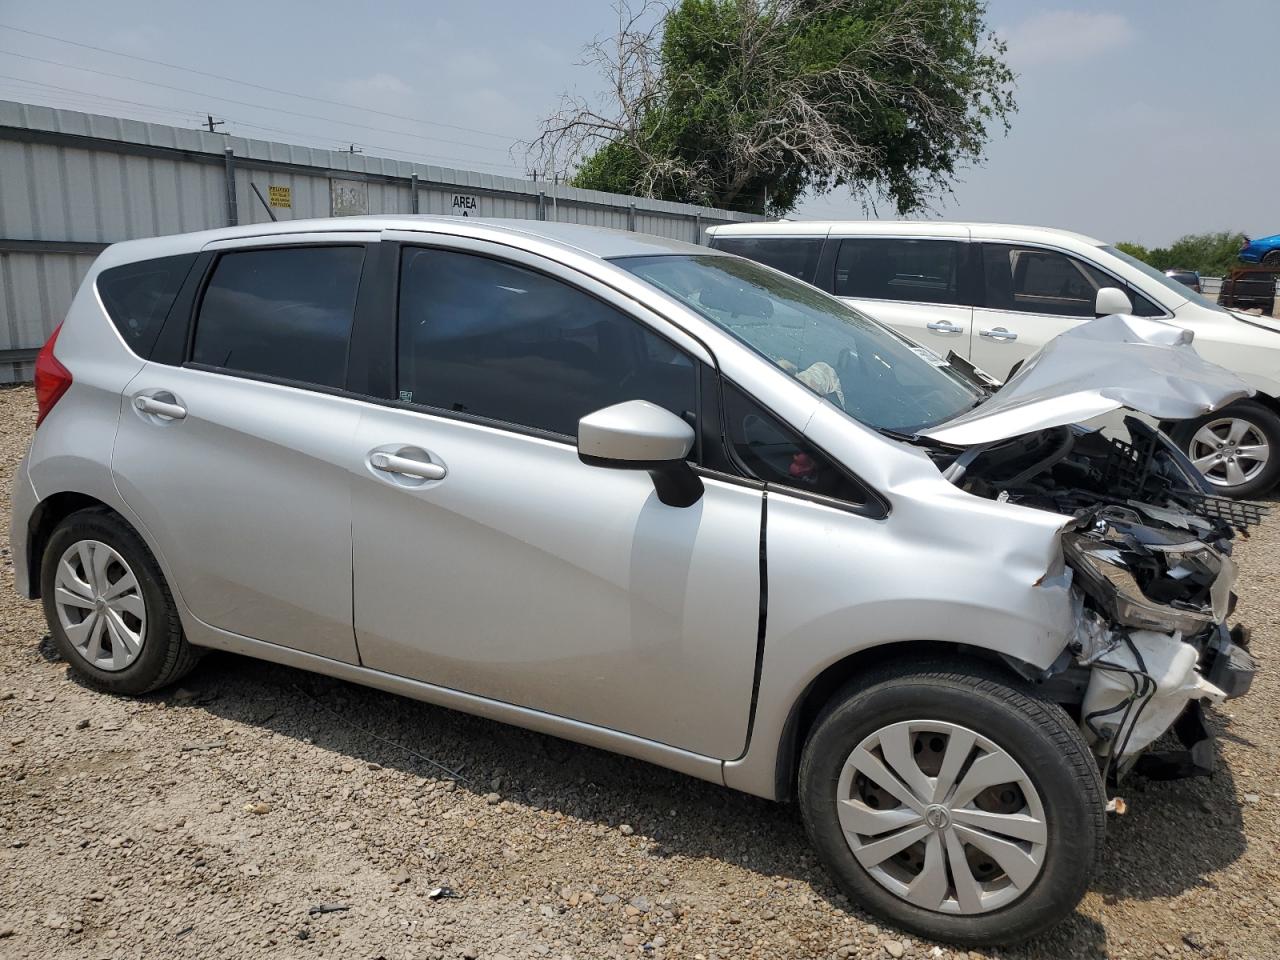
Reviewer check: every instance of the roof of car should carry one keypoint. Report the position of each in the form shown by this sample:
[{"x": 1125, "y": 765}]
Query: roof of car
[
  {"x": 599, "y": 242},
  {"x": 934, "y": 228}
]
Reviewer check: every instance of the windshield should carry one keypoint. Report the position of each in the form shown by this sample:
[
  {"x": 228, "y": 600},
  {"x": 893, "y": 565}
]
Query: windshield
[
  {"x": 868, "y": 371},
  {"x": 1184, "y": 292}
]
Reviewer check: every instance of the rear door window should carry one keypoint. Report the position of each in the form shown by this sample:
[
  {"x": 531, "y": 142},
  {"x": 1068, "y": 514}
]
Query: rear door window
[
  {"x": 138, "y": 296},
  {"x": 284, "y": 313},
  {"x": 797, "y": 256},
  {"x": 884, "y": 268}
]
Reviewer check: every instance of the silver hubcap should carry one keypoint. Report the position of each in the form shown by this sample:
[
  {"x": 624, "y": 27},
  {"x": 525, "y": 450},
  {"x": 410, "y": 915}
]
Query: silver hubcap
[
  {"x": 1229, "y": 451},
  {"x": 942, "y": 817},
  {"x": 100, "y": 605}
]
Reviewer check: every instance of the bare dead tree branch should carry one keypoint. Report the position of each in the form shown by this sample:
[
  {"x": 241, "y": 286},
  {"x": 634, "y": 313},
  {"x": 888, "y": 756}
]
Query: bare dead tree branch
[{"x": 814, "y": 121}]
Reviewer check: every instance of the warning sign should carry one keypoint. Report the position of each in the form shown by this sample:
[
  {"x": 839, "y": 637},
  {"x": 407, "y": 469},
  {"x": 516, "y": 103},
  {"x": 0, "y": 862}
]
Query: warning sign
[
  {"x": 280, "y": 196},
  {"x": 465, "y": 205}
]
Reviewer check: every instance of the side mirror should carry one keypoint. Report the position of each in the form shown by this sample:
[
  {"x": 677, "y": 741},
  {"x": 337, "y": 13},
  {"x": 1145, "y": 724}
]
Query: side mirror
[
  {"x": 639, "y": 435},
  {"x": 1111, "y": 300}
]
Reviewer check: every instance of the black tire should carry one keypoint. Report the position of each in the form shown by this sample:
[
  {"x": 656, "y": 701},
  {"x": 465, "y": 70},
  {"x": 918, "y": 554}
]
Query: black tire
[
  {"x": 1036, "y": 733},
  {"x": 1265, "y": 420},
  {"x": 1272, "y": 258},
  {"x": 165, "y": 656}
]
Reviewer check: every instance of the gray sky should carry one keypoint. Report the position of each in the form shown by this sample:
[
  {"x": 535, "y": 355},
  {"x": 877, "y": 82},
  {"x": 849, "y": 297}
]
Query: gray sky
[{"x": 1139, "y": 121}]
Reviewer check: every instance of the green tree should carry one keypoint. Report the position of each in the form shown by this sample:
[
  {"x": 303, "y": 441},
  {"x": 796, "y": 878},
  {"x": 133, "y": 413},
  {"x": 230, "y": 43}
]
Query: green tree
[
  {"x": 1136, "y": 250},
  {"x": 1209, "y": 254},
  {"x": 748, "y": 104}
]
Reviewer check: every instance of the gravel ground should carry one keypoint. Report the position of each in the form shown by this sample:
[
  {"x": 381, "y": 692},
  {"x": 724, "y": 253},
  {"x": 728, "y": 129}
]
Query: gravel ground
[{"x": 221, "y": 818}]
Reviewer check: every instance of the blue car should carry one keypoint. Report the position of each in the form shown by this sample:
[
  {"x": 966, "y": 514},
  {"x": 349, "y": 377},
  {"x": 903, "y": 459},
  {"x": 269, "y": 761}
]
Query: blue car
[{"x": 1263, "y": 250}]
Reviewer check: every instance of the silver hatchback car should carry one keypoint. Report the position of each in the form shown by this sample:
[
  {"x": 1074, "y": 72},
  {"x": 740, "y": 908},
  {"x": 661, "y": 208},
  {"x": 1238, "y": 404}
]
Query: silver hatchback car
[{"x": 660, "y": 500}]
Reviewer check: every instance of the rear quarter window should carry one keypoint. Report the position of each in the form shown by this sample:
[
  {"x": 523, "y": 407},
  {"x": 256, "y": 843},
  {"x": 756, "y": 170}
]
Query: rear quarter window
[
  {"x": 797, "y": 256},
  {"x": 138, "y": 297},
  {"x": 906, "y": 269}
]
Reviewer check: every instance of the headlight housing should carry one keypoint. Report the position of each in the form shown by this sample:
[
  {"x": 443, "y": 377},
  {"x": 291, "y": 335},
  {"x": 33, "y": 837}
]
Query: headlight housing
[{"x": 1191, "y": 583}]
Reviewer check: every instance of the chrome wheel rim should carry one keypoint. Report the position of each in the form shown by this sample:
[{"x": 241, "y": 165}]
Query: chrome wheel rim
[
  {"x": 1229, "y": 451},
  {"x": 942, "y": 817},
  {"x": 100, "y": 605}
]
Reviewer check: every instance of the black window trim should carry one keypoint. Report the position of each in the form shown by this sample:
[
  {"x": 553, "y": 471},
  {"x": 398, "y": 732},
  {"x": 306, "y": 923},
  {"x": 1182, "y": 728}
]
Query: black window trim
[
  {"x": 215, "y": 257},
  {"x": 980, "y": 300}
]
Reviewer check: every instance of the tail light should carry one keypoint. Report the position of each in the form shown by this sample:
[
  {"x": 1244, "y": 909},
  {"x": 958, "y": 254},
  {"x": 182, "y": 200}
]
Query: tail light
[{"x": 52, "y": 378}]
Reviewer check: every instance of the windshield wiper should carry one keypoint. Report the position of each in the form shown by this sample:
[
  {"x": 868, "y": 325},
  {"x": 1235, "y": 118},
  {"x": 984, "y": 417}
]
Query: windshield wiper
[{"x": 972, "y": 375}]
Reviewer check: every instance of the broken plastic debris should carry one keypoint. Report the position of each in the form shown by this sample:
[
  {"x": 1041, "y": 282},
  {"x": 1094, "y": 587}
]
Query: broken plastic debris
[
  {"x": 1117, "y": 806},
  {"x": 442, "y": 893}
]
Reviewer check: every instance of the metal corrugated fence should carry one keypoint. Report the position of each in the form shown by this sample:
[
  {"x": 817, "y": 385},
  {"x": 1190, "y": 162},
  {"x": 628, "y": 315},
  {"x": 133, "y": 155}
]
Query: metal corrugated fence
[{"x": 71, "y": 183}]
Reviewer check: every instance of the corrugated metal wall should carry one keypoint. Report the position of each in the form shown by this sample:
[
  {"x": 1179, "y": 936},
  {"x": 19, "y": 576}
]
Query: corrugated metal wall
[{"x": 73, "y": 182}]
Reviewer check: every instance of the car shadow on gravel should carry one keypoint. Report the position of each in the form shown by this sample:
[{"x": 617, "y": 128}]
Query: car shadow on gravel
[{"x": 1173, "y": 835}]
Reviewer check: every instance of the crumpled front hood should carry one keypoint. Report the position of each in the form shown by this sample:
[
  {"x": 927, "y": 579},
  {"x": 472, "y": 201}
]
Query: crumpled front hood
[{"x": 1095, "y": 368}]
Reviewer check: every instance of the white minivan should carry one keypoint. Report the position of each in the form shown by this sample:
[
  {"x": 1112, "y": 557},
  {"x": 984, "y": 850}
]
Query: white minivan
[{"x": 996, "y": 293}]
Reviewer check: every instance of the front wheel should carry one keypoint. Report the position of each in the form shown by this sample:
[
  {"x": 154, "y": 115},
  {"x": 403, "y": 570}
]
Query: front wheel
[
  {"x": 1237, "y": 448},
  {"x": 953, "y": 804}
]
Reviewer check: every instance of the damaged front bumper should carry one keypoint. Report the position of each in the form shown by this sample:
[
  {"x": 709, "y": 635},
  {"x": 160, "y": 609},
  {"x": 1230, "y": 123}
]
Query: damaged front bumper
[
  {"x": 1152, "y": 603},
  {"x": 1231, "y": 670},
  {"x": 1147, "y": 543}
]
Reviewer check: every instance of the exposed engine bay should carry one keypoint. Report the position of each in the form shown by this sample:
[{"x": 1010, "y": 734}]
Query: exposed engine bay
[{"x": 1149, "y": 553}]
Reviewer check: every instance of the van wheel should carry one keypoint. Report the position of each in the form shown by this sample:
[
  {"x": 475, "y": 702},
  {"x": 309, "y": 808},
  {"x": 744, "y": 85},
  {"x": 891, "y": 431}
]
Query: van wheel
[
  {"x": 109, "y": 610},
  {"x": 1237, "y": 448},
  {"x": 954, "y": 803}
]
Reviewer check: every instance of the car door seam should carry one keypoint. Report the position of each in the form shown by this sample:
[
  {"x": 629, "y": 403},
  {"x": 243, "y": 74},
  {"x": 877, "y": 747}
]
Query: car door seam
[{"x": 761, "y": 623}]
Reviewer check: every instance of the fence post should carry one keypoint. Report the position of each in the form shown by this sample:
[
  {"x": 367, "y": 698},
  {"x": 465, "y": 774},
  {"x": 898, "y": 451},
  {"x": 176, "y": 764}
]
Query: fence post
[
  {"x": 631, "y": 218},
  {"x": 413, "y": 193},
  {"x": 233, "y": 212},
  {"x": 542, "y": 204},
  {"x": 697, "y": 228}
]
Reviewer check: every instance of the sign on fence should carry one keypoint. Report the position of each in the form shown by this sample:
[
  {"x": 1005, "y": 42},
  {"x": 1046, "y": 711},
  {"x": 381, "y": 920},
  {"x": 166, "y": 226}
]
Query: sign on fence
[
  {"x": 348, "y": 198},
  {"x": 465, "y": 205},
  {"x": 280, "y": 196}
]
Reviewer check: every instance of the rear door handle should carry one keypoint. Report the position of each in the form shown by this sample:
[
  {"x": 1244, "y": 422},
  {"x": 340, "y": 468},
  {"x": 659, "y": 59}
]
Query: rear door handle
[
  {"x": 159, "y": 408},
  {"x": 944, "y": 326},
  {"x": 422, "y": 469},
  {"x": 998, "y": 333}
]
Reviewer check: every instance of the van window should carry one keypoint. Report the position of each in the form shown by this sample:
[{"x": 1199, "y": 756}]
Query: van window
[
  {"x": 138, "y": 296},
  {"x": 797, "y": 256},
  {"x": 883, "y": 268},
  {"x": 1036, "y": 280},
  {"x": 492, "y": 339}
]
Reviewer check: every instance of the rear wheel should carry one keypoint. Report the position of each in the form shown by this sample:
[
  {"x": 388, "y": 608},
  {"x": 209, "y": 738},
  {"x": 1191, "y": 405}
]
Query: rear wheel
[
  {"x": 109, "y": 610},
  {"x": 1272, "y": 258},
  {"x": 1237, "y": 448},
  {"x": 953, "y": 804}
]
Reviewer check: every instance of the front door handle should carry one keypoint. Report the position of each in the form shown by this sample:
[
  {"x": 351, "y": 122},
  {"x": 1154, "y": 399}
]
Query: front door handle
[
  {"x": 160, "y": 408},
  {"x": 406, "y": 467},
  {"x": 998, "y": 333},
  {"x": 944, "y": 326}
]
